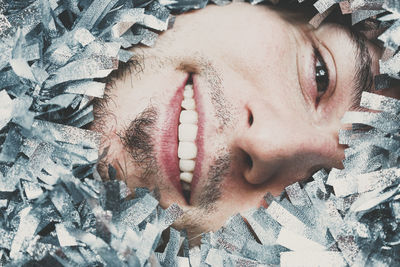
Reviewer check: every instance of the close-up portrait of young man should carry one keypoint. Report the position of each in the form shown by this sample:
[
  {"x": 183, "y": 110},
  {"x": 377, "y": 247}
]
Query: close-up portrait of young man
[
  {"x": 214, "y": 118},
  {"x": 188, "y": 133}
]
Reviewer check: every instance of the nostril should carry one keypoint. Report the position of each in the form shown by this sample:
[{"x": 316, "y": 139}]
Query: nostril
[
  {"x": 250, "y": 118},
  {"x": 248, "y": 161}
]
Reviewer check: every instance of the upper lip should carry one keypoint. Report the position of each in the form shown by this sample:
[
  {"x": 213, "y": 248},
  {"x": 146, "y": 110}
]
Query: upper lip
[
  {"x": 169, "y": 140},
  {"x": 200, "y": 135}
]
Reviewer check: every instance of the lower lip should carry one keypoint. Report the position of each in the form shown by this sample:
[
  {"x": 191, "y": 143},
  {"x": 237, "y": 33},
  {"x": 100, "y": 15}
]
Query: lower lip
[{"x": 169, "y": 140}]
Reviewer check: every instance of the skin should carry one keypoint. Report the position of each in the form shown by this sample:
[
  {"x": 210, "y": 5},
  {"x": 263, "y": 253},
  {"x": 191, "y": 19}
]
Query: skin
[{"x": 266, "y": 108}]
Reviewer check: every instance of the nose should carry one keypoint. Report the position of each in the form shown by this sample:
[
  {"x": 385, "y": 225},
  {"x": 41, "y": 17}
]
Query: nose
[{"x": 277, "y": 144}]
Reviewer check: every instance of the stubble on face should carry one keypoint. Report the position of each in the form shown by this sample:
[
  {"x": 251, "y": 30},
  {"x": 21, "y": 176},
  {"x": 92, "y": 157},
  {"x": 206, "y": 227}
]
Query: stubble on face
[
  {"x": 196, "y": 220},
  {"x": 222, "y": 107},
  {"x": 212, "y": 190},
  {"x": 137, "y": 139}
]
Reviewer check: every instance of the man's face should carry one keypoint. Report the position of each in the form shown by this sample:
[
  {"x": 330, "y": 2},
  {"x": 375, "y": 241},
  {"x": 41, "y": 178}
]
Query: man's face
[{"x": 268, "y": 95}]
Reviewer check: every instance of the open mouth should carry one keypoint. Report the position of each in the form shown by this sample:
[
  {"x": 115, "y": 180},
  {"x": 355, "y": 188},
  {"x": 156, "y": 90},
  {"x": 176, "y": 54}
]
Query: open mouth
[{"x": 187, "y": 134}]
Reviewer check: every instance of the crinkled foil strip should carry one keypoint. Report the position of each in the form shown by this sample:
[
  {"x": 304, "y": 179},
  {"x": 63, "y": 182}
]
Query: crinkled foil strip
[{"x": 56, "y": 211}]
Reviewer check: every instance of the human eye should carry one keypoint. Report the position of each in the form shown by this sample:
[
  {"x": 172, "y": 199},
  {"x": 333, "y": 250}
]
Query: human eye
[{"x": 321, "y": 75}]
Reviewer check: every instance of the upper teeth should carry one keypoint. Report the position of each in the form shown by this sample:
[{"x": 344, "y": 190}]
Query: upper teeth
[{"x": 187, "y": 132}]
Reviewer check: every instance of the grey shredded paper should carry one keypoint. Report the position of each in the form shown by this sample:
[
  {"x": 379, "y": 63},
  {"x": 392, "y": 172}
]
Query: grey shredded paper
[{"x": 56, "y": 211}]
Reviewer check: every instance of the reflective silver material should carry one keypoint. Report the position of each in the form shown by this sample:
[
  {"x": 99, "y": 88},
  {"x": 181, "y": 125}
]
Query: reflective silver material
[{"x": 323, "y": 5}]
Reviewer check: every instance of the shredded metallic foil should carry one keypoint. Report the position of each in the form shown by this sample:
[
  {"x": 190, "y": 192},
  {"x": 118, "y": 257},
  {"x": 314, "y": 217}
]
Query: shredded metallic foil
[{"x": 56, "y": 210}]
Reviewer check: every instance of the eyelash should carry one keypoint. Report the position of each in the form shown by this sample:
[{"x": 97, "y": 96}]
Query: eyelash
[{"x": 321, "y": 75}]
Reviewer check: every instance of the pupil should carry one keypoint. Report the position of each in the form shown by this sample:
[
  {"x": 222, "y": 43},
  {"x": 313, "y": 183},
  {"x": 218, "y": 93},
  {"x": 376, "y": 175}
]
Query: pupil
[{"x": 321, "y": 78}]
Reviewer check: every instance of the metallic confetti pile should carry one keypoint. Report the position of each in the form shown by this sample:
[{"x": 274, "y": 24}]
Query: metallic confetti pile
[{"x": 55, "y": 209}]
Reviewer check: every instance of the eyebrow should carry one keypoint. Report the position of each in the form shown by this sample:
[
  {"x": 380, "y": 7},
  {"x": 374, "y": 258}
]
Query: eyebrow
[{"x": 363, "y": 76}]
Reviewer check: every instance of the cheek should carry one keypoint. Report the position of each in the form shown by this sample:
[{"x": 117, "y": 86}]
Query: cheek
[
  {"x": 242, "y": 196},
  {"x": 324, "y": 148}
]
